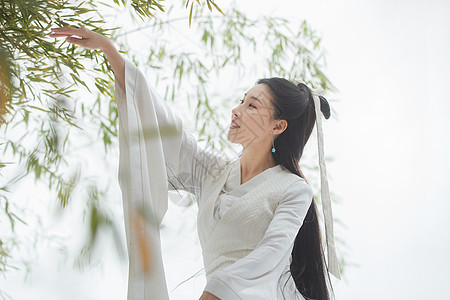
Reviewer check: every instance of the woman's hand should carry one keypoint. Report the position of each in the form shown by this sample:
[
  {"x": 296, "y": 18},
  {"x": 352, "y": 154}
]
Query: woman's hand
[
  {"x": 83, "y": 37},
  {"x": 91, "y": 40},
  {"x": 208, "y": 296}
]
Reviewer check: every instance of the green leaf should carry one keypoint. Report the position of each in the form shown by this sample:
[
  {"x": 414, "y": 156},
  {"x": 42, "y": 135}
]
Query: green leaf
[
  {"x": 209, "y": 5},
  {"x": 190, "y": 13},
  {"x": 218, "y": 8}
]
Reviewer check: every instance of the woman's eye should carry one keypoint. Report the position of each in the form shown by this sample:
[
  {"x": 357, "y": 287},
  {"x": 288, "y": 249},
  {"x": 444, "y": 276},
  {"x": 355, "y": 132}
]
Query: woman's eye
[{"x": 241, "y": 101}]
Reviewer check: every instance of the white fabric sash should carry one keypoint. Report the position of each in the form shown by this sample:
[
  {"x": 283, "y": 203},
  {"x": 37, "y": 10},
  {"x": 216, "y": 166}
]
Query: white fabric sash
[{"x": 325, "y": 193}]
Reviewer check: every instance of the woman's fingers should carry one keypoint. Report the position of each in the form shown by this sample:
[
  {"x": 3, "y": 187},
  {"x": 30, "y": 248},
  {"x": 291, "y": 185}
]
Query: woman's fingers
[
  {"x": 84, "y": 37},
  {"x": 76, "y": 41},
  {"x": 69, "y": 33},
  {"x": 69, "y": 30},
  {"x": 81, "y": 37},
  {"x": 59, "y": 35}
]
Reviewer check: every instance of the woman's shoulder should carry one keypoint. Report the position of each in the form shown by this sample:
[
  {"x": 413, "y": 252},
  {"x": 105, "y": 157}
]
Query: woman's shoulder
[
  {"x": 294, "y": 178},
  {"x": 297, "y": 184}
]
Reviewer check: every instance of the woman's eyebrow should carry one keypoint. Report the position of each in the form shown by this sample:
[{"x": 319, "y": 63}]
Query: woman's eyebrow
[{"x": 253, "y": 97}]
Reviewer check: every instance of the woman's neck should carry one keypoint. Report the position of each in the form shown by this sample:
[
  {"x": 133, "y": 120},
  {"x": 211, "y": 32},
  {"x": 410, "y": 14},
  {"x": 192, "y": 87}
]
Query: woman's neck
[{"x": 254, "y": 161}]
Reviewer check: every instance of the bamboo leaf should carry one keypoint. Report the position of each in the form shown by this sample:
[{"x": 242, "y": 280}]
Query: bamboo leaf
[
  {"x": 217, "y": 7},
  {"x": 190, "y": 14}
]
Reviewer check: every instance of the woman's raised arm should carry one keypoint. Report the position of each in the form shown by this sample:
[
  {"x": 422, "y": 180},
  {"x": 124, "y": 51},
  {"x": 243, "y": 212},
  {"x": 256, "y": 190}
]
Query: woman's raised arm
[{"x": 92, "y": 40}]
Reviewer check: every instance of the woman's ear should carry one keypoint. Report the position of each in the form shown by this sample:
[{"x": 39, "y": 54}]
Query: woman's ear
[{"x": 279, "y": 126}]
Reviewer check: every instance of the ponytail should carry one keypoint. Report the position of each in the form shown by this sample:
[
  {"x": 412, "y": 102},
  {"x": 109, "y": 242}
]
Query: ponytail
[{"x": 294, "y": 104}]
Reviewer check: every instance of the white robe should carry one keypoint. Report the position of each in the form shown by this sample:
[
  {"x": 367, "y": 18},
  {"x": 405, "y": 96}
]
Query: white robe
[
  {"x": 272, "y": 254},
  {"x": 152, "y": 157}
]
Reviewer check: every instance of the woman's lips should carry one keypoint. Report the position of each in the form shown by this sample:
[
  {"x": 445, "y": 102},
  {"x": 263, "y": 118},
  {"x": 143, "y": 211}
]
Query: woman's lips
[{"x": 234, "y": 125}]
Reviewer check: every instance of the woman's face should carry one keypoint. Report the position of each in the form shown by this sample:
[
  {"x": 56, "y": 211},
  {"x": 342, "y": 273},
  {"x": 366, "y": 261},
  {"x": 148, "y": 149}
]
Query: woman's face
[{"x": 253, "y": 115}]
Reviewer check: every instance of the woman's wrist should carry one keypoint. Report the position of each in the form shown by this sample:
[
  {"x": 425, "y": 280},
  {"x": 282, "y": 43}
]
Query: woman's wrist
[
  {"x": 108, "y": 47},
  {"x": 116, "y": 61}
]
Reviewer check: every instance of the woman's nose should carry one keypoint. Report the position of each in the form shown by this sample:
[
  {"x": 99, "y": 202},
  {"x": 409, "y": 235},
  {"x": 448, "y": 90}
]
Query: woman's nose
[{"x": 235, "y": 112}]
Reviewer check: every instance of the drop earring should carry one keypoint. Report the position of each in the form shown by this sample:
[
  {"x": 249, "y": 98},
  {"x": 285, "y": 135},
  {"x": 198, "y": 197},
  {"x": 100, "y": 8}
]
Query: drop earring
[{"x": 273, "y": 147}]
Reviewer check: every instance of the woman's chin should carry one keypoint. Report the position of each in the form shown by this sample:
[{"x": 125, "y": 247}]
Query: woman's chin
[{"x": 232, "y": 138}]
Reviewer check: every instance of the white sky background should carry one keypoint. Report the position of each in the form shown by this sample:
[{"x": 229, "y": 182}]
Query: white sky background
[{"x": 390, "y": 144}]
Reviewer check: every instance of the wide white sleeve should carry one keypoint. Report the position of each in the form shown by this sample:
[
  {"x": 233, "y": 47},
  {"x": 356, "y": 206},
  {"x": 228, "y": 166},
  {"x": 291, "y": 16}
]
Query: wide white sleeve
[
  {"x": 186, "y": 163},
  {"x": 143, "y": 144},
  {"x": 151, "y": 142},
  {"x": 253, "y": 276},
  {"x": 194, "y": 163}
]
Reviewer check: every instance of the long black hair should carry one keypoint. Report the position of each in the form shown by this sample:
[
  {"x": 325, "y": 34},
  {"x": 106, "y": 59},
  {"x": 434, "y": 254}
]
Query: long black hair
[{"x": 294, "y": 103}]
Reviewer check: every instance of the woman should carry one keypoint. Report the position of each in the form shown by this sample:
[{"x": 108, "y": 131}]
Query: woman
[{"x": 257, "y": 220}]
